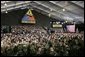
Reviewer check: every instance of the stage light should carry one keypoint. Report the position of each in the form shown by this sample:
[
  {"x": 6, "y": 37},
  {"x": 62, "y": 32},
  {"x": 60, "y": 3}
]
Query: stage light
[{"x": 57, "y": 23}]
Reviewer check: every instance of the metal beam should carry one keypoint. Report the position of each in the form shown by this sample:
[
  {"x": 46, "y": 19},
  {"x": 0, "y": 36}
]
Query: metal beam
[
  {"x": 68, "y": 13},
  {"x": 43, "y": 7},
  {"x": 53, "y": 8},
  {"x": 78, "y": 4},
  {"x": 68, "y": 9}
]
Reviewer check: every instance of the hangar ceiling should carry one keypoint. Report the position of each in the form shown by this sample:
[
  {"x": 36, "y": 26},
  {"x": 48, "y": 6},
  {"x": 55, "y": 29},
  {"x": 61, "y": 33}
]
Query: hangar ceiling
[{"x": 61, "y": 10}]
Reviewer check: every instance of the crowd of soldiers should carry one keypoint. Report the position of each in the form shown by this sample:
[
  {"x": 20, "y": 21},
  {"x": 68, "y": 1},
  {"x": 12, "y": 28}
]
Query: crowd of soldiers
[{"x": 23, "y": 41}]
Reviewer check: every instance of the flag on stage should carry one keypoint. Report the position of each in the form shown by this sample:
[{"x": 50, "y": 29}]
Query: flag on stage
[{"x": 71, "y": 28}]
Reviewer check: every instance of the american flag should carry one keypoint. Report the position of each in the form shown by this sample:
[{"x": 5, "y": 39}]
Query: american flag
[{"x": 71, "y": 28}]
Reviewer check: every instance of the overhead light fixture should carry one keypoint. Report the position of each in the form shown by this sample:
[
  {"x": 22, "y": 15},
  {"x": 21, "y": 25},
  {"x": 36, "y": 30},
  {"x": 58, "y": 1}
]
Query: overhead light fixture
[
  {"x": 49, "y": 14},
  {"x": 63, "y": 9},
  {"x": 6, "y": 12},
  {"x": 5, "y": 4},
  {"x": 62, "y": 23},
  {"x": 66, "y": 21}
]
